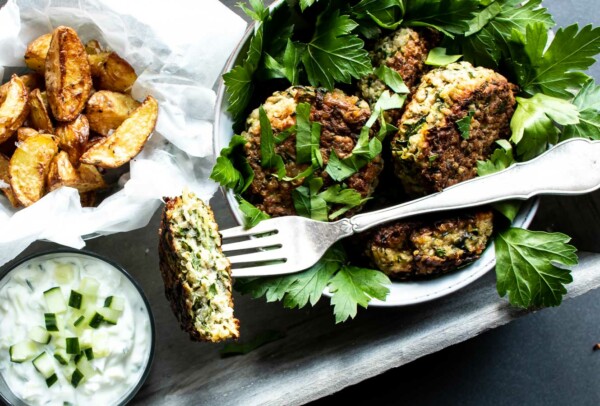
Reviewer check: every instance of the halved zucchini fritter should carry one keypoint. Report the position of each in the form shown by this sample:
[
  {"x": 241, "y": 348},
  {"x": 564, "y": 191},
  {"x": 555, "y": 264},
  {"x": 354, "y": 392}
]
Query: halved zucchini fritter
[{"x": 196, "y": 274}]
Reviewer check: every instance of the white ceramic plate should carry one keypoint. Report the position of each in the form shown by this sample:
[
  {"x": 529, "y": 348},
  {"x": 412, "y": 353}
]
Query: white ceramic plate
[{"x": 401, "y": 293}]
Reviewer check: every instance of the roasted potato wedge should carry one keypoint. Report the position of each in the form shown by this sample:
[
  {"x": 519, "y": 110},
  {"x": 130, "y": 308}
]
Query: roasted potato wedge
[
  {"x": 106, "y": 110},
  {"x": 68, "y": 77},
  {"x": 35, "y": 55},
  {"x": 127, "y": 140},
  {"x": 5, "y": 181},
  {"x": 29, "y": 166},
  {"x": 111, "y": 72},
  {"x": 25, "y": 132},
  {"x": 97, "y": 62},
  {"x": 90, "y": 179},
  {"x": 30, "y": 80},
  {"x": 61, "y": 172},
  {"x": 39, "y": 118},
  {"x": 14, "y": 108},
  {"x": 73, "y": 137}
]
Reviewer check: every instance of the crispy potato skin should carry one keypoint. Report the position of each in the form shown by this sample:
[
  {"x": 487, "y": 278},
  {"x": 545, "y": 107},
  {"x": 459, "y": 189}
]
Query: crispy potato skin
[
  {"x": 25, "y": 132},
  {"x": 37, "y": 50},
  {"x": 38, "y": 113},
  {"x": 5, "y": 178},
  {"x": 115, "y": 74},
  {"x": 127, "y": 140},
  {"x": 29, "y": 166},
  {"x": 61, "y": 172},
  {"x": 68, "y": 75},
  {"x": 14, "y": 108},
  {"x": 73, "y": 137},
  {"x": 106, "y": 110}
]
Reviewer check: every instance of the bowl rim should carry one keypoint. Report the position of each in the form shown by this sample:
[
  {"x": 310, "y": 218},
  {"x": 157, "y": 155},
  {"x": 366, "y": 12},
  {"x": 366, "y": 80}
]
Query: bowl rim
[
  {"x": 527, "y": 212},
  {"x": 86, "y": 253}
]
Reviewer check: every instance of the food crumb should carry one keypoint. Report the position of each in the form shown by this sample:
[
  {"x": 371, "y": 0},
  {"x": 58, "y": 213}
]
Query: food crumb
[{"x": 596, "y": 347}]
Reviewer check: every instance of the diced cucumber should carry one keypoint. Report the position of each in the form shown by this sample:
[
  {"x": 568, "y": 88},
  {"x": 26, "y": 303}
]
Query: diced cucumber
[
  {"x": 85, "y": 339},
  {"x": 115, "y": 303},
  {"x": 75, "y": 299},
  {"x": 72, "y": 345},
  {"x": 23, "y": 351},
  {"x": 78, "y": 357},
  {"x": 39, "y": 335},
  {"x": 89, "y": 286},
  {"x": 89, "y": 353},
  {"x": 109, "y": 315},
  {"x": 76, "y": 378},
  {"x": 96, "y": 320},
  {"x": 55, "y": 300},
  {"x": 51, "y": 322},
  {"x": 64, "y": 273},
  {"x": 62, "y": 357},
  {"x": 100, "y": 344},
  {"x": 51, "y": 380},
  {"x": 44, "y": 365},
  {"x": 85, "y": 367}
]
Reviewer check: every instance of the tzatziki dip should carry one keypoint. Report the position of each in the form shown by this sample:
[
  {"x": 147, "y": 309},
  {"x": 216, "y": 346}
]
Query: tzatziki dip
[{"x": 74, "y": 330}]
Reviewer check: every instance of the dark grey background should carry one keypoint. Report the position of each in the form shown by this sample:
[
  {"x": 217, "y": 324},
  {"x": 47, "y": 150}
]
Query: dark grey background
[{"x": 541, "y": 359}]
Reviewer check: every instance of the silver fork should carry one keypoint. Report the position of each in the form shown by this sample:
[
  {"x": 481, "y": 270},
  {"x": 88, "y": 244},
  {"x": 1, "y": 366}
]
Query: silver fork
[{"x": 291, "y": 244}]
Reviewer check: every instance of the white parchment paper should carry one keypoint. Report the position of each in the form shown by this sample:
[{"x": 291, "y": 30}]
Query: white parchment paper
[{"x": 178, "y": 49}]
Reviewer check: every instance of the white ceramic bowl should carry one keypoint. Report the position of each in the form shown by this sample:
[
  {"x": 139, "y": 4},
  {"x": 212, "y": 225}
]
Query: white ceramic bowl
[
  {"x": 128, "y": 286},
  {"x": 401, "y": 293}
]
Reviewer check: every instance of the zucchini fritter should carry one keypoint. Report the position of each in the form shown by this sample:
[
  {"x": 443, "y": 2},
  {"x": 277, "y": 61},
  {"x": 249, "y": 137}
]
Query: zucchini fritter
[
  {"x": 409, "y": 250},
  {"x": 196, "y": 274},
  {"x": 429, "y": 151},
  {"x": 341, "y": 117},
  {"x": 404, "y": 51}
]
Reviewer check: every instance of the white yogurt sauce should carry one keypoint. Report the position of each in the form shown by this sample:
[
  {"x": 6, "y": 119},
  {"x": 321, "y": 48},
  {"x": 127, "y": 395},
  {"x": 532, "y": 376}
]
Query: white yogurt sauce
[{"x": 22, "y": 306}]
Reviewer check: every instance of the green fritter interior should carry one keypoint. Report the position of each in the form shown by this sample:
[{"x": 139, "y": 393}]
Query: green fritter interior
[{"x": 204, "y": 269}]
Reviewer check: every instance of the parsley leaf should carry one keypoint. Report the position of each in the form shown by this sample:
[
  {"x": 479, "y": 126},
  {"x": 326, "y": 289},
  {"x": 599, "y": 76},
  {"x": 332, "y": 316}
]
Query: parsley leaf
[
  {"x": 491, "y": 30},
  {"x": 350, "y": 286},
  {"x": 439, "y": 57},
  {"x": 305, "y": 142},
  {"x": 304, "y": 4},
  {"x": 464, "y": 125},
  {"x": 299, "y": 289},
  {"x": 588, "y": 103},
  {"x": 376, "y": 14},
  {"x": 258, "y": 12},
  {"x": 334, "y": 55},
  {"x": 526, "y": 267},
  {"x": 533, "y": 125},
  {"x": 450, "y": 17},
  {"x": 392, "y": 79},
  {"x": 557, "y": 70},
  {"x": 252, "y": 215},
  {"x": 353, "y": 286},
  {"x": 269, "y": 159},
  {"x": 232, "y": 169},
  {"x": 308, "y": 203},
  {"x": 238, "y": 81}
]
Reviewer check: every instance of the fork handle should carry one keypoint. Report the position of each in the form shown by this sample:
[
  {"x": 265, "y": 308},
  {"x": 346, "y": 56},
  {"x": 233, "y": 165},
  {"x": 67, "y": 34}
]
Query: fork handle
[{"x": 570, "y": 168}]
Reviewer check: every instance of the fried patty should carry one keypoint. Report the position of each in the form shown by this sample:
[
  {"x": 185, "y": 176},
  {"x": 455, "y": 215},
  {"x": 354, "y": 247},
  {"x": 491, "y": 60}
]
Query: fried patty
[
  {"x": 430, "y": 153},
  {"x": 341, "y": 116},
  {"x": 404, "y": 51},
  {"x": 196, "y": 274},
  {"x": 410, "y": 250}
]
